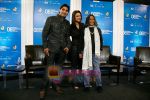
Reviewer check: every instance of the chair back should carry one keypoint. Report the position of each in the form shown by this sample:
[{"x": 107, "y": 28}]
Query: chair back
[
  {"x": 143, "y": 53},
  {"x": 35, "y": 52},
  {"x": 105, "y": 53}
]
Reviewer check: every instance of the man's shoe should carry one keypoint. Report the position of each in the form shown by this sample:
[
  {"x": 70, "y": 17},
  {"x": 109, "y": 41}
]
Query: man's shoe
[
  {"x": 42, "y": 98},
  {"x": 59, "y": 90},
  {"x": 42, "y": 95}
]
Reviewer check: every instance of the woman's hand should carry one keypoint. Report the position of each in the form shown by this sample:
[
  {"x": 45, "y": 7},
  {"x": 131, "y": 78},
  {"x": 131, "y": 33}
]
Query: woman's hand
[{"x": 80, "y": 55}]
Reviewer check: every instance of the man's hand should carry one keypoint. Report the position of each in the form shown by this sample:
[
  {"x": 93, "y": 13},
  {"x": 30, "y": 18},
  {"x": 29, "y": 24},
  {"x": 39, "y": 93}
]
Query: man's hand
[
  {"x": 46, "y": 51},
  {"x": 66, "y": 50},
  {"x": 80, "y": 55}
]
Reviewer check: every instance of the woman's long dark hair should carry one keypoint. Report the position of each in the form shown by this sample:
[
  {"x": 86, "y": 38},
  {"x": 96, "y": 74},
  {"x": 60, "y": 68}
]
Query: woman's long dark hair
[
  {"x": 87, "y": 20},
  {"x": 73, "y": 16}
]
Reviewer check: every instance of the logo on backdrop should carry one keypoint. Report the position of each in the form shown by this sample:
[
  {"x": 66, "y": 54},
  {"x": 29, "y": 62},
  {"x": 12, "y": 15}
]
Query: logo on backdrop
[
  {"x": 4, "y": 48},
  {"x": 45, "y": 1},
  {"x": 103, "y": 11},
  {"x": 135, "y": 16},
  {"x": 106, "y": 31},
  {"x": 136, "y": 29},
  {"x": 145, "y": 16},
  {"x": 96, "y": 13},
  {"x": 86, "y": 12},
  {"x": 14, "y": 47},
  {"x": 11, "y": 46},
  {"x": 127, "y": 15},
  {"x": 2, "y": 28},
  {"x": 107, "y": 14},
  {"x": 12, "y": 29},
  {"x": 42, "y": 10},
  {"x": 15, "y": 9},
  {"x": 4, "y": 9},
  {"x": 51, "y": 11},
  {"x": 38, "y": 29}
]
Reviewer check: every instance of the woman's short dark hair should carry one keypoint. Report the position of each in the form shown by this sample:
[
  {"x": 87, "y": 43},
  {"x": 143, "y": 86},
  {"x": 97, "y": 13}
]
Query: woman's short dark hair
[
  {"x": 88, "y": 18},
  {"x": 73, "y": 15},
  {"x": 65, "y": 5}
]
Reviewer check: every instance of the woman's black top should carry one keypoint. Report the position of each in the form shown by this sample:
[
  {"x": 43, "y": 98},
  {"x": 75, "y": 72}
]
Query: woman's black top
[
  {"x": 92, "y": 39},
  {"x": 77, "y": 36}
]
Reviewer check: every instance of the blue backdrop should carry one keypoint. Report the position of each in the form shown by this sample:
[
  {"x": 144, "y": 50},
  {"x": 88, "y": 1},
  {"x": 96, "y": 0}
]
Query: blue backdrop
[
  {"x": 42, "y": 10},
  {"x": 136, "y": 29},
  {"x": 103, "y": 12},
  {"x": 10, "y": 33}
]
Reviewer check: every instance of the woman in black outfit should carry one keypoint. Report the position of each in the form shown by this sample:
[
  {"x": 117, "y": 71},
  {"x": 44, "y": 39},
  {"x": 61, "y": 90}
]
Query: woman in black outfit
[{"x": 76, "y": 31}]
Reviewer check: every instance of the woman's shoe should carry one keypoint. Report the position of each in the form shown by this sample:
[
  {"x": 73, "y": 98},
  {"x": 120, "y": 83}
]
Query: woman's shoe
[{"x": 76, "y": 87}]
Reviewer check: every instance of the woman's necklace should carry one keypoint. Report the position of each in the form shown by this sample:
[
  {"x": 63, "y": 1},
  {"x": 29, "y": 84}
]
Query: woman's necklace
[
  {"x": 91, "y": 30},
  {"x": 91, "y": 33}
]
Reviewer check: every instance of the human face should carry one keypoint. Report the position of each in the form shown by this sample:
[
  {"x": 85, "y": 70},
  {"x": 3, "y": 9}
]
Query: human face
[
  {"x": 77, "y": 17},
  {"x": 63, "y": 11},
  {"x": 91, "y": 21}
]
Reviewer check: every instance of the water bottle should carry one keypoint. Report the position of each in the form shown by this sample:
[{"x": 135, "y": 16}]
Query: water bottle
[
  {"x": 18, "y": 63},
  {"x": 124, "y": 60},
  {"x": 3, "y": 66}
]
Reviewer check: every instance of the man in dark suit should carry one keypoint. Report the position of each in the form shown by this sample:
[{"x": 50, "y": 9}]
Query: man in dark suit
[{"x": 56, "y": 41}]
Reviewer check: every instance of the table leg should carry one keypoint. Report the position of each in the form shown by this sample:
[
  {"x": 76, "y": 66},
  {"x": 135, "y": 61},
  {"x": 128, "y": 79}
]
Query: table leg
[
  {"x": 20, "y": 79},
  {"x": 4, "y": 78}
]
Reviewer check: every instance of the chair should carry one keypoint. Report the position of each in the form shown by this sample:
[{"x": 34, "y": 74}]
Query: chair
[
  {"x": 141, "y": 60},
  {"x": 109, "y": 61},
  {"x": 34, "y": 60}
]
